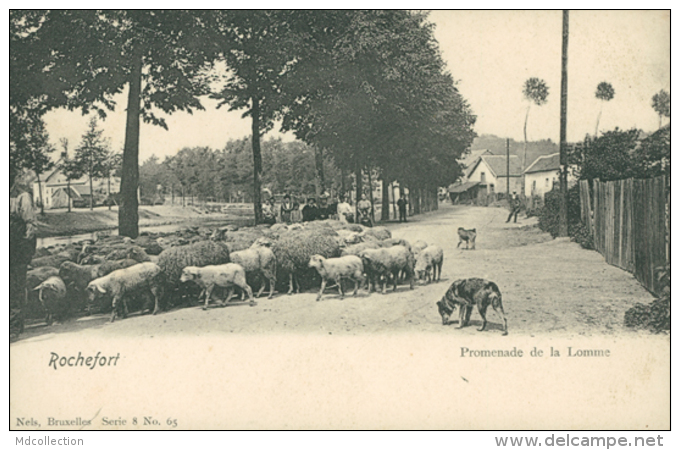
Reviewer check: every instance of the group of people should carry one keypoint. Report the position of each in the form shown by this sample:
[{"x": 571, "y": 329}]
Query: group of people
[{"x": 290, "y": 211}]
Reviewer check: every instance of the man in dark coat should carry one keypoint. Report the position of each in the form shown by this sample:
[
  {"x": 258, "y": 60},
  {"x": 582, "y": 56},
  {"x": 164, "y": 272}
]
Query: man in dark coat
[
  {"x": 22, "y": 242},
  {"x": 309, "y": 211},
  {"x": 401, "y": 204},
  {"x": 515, "y": 205}
]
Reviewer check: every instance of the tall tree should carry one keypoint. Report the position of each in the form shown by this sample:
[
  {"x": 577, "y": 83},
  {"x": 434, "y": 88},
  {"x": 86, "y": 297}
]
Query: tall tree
[
  {"x": 535, "y": 91},
  {"x": 37, "y": 156},
  {"x": 661, "y": 102},
  {"x": 70, "y": 168},
  {"x": 92, "y": 153},
  {"x": 111, "y": 165},
  {"x": 257, "y": 49},
  {"x": 604, "y": 93},
  {"x": 160, "y": 56}
]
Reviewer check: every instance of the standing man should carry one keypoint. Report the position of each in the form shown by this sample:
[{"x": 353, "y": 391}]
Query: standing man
[
  {"x": 515, "y": 205},
  {"x": 286, "y": 210},
  {"x": 401, "y": 203},
  {"x": 309, "y": 211},
  {"x": 22, "y": 241},
  {"x": 364, "y": 207},
  {"x": 269, "y": 211}
]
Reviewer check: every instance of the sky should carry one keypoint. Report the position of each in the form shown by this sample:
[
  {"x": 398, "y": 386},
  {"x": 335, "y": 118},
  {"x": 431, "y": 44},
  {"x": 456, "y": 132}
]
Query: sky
[{"x": 490, "y": 54}]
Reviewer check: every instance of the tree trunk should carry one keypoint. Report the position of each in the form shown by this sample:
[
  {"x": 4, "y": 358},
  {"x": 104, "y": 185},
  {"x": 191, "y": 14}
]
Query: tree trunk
[
  {"x": 524, "y": 160},
  {"x": 320, "y": 179},
  {"x": 563, "y": 228},
  {"x": 370, "y": 193},
  {"x": 42, "y": 203},
  {"x": 342, "y": 182},
  {"x": 91, "y": 191},
  {"x": 128, "y": 214},
  {"x": 257, "y": 161},
  {"x": 108, "y": 192},
  {"x": 359, "y": 188},
  {"x": 597, "y": 123},
  {"x": 68, "y": 187},
  {"x": 385, "y": 214}
]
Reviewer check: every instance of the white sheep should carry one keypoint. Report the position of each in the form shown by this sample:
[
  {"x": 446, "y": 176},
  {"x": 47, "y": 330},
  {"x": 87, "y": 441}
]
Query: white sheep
[
  {"x": 52, "y": 296},
  {"x": 336, "y": 269},
  {"x": 223, "y": 275},
  {"x": 428, "y": 262},
  {"x": 418, "y": 246},
  {"x": 381, "y": 263},
  {"x": 121, "y": 283},
  {"x": 259, "y": 259}
]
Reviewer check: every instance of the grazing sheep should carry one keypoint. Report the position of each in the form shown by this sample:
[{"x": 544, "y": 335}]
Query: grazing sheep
[
  {"x": 224, "y": 275},
  {"x": 132, "y": 280},
  {"x": 428, "y": 262},
  {"x": 383, "y": 262},
  {"x": 34, "y": 278},
  {"x": 78, "y": 276},
  {"x": 204, "y": 253},
  {"x": 335, "y": 269},
  {"x": 294, "y": 250},
  {"x": 259, "y": 259},
  {"x": 174, "y": 259},
  {"x": 52, "y": 296}
]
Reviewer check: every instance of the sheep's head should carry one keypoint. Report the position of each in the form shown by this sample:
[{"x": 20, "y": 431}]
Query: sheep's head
[
  {"x": 188, "y": 274},
  {"x": 316, "y": 261},
  {"x": 94, "y": 292},
  {"x": 138, "y": 254},
  {"x": 262, "y": 242}
]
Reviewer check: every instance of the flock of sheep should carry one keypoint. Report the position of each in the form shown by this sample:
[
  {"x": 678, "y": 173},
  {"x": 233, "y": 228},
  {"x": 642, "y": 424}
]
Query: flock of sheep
[{"x": 158, "y": 271}]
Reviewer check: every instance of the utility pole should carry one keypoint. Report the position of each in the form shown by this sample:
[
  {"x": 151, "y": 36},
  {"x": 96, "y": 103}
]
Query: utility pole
[
  {"x": 507, "y": 166},
  {"x": 563, "y": 231}
]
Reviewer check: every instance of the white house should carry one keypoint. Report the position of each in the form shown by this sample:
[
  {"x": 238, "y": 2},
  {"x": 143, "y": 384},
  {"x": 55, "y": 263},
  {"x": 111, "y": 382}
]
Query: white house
[
  {"x": 55, "y": 185},
  {"x": 491, "y": 171},
  {"x": 543, "y": 174}
]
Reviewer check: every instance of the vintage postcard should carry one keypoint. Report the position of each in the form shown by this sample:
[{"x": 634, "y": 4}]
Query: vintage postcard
[{"x": 351, "y": 220}]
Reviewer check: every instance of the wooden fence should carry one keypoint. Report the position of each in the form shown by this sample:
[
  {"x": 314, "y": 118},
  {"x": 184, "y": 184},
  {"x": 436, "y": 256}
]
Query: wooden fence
[{"x": 629, "y": 223}]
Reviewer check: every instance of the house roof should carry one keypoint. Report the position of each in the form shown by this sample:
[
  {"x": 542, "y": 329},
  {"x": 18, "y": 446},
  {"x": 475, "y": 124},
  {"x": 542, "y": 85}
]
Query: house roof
[
  {"x": 498, "y": 165},
  {"x": 81, "y": 189},
  {"x": 545, "y": 163},
  {"x": 470, "y": 159},
  {"x": 457, "y": 188}
]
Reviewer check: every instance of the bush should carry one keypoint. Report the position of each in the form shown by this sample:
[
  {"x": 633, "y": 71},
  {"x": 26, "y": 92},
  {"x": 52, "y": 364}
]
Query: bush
[
  {"x": 549, "y": 215},
  {"x": 581, "y": 234},
  {"x": 657, "y": 315}
]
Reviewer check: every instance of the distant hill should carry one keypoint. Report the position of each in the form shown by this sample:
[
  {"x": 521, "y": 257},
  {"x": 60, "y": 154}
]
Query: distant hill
[{"x": 496, "y": 145}]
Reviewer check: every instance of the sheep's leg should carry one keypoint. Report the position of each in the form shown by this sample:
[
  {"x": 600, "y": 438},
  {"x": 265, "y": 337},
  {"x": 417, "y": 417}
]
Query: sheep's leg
[
  {"x": 249, "y": 291},
  {"x": 395, "y": 279},
  {"x": 272, "y": 282},
  {"x": 208, "y": 294},
  {"x": 114, "y": 307},
  {"x": 156, "y": 295},
  {"x": 290, "y": 283},
  {"x": 261, "y": 278},
  {"x": 297, "y": 284},
  {"x": 342, "y": 294},
  {"x": 323, "y": 287},
  {"x": 230, "y": 293},
  {"x": 384, "y": 285}
]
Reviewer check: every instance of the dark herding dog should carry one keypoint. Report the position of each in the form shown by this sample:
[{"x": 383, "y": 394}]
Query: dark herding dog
[
  {"x": 467, "y": 236},
  {"x": 465, "y": 294}
]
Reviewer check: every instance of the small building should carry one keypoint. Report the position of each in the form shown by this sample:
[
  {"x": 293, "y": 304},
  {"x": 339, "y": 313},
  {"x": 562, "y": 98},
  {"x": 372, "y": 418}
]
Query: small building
[
  {"x": 543, "y": 174},
  {"x": 491, "y": 172},
  {"x": 55, "y": 192}
]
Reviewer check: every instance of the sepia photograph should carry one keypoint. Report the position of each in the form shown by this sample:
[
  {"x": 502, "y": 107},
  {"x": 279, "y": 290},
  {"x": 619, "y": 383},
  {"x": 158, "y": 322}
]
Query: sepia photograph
[{"x": 339, "y": 220}]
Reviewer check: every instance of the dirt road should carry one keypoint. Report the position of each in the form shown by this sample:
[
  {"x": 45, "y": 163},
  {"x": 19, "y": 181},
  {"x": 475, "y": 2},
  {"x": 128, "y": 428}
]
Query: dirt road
[
  {"x": 548, "y": 286},
  {"x": 370, "y": 362}
]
